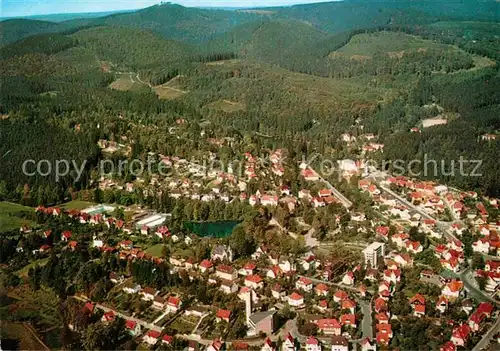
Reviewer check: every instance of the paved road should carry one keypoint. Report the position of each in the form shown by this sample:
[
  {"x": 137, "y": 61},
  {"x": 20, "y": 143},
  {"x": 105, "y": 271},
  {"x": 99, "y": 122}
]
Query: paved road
[
  {"x": 345, "y": 201},
  {"x": 366, "y": 323},
  {"x": 314, "y": 280},
  {"x": 407, "y": 203},
  {"x": 470, "y": 285},
  {"x": 310, "y": 240},
  {"x": 443, "y": 226},
  {"x": 141, "y": 322},
  {"x": 485, "y": 341}
]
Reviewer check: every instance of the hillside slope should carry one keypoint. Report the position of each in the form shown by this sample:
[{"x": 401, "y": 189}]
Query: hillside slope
[
  {"x": 198, "y": 25},
  {"x": 15, "y": 29},
  {"x": 269, "y": 41},
  {"x": 132, "y": 48},
  {"x": 179, "y": 22}
]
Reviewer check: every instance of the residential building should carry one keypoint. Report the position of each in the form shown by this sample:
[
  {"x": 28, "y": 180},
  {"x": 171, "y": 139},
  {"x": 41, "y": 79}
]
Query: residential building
[
  {"x": 373, "y": 253},
  {"x": 339, "y": 343}
]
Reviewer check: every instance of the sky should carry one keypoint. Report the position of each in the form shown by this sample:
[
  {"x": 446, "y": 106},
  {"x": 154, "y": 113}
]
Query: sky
[{"x": 11, "y": 8}]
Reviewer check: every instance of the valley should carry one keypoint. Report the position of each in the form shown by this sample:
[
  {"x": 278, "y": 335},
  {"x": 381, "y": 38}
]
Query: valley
[{"x": 317, "y": 176}]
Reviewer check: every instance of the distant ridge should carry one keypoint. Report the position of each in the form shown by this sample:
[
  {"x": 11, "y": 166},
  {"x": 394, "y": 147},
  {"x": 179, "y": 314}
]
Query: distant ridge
[{"x": 61, "y": 17}]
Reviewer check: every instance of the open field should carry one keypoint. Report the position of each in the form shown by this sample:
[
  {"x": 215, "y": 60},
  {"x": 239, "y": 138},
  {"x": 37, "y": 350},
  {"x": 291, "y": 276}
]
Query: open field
[
  {"x": 8, "y": 216},
  {"x": 183, "y": 325},
  {"x": 227, "y": 106},
  {"x": 395, "y": 44},
  {"x": 223, "y": 62},
  {"x": 155, "y": 250},
  {"x": 23, "y": 272},
  {"x": 128, "y": 83},
  {"x": 168, "y": 93},
  {"x": 77, "y": 205},
  {"x": 482, "y": 62}
]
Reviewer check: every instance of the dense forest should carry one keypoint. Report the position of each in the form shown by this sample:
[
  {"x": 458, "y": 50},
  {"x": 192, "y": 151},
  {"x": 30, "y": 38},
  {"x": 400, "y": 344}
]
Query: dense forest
[{"x": 298, "y": 79}]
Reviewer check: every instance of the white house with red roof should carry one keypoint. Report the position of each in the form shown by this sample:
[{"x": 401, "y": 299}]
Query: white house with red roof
[
  {"x": 456, "y": 245},
  {"x": 126, "y": 244},
  {"x": 452, "y": 289},
  {"x": 322, "y": 306},
  {"x": 321, "y": 289},
  {"x": 173, "y": 304},
  {"x": 223, "y": 315},
  {"x": 448, "y": 346},
  {"x": 442, "y": 304},
  {"x": 384, "y": 333},
  {"x": 348, "y": 320},
  {"x": 108, "y": 317},
  {"x": 269, "y": 200},
  {"x": 367, "y": 345},
  {"x": 254, "y": 281},
  {"x": 414, "y": 247},
  {"x": 162, "y": 232},
  {"x": 296, "y": 300},
  {"x": 132, "y": 327},
  {"x": 216, "y": 345},
  {"x": 382, "y": 318},
  {"x": 304, "y": 284},
  {"x": 404, "y": 260},
  {"x": 274, "y": 272},
  {"x": 460, "y": 335},
  {"x": 206, "y": 266},
  {"x": 339, "y": 296},
  {"x": 309, "y": 175},
  {"x": 278, "y": 292},
  {"x": 492, "y": 266},
  {"x": 392, "y": 275},
  {"x": 349, "y": 305},
  {"x": 289, "y": 343},
  {"x": 400, "y": 239},
  {"x": 66, "y": 235},
  {"x": 382, "y": 231},
  {"x": 451, "y": 264},
  {"x": 167, "y": 339},
  {"x": 151, "y": 337},
  {"x": 248, "y": 269},
  {"x": 329, "y": 326},
  {"x": 226, "y": 272},
  {"x": 318, "y": 202},
  {"x": 268, "y": 345},
  {"x": 475, "y": 320},
  {"x": 313, "y": 344}
]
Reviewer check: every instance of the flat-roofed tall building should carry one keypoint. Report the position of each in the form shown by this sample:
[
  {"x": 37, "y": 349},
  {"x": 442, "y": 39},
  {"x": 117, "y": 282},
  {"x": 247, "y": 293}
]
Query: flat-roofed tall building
[{"x": 373, "y": 253}]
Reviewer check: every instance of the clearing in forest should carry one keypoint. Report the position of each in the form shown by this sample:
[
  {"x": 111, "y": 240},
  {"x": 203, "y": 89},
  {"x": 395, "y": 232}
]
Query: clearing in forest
[
  {"x": 223, "y": 62},
  {"x": 168, "y": 93},
  {"x": 128, "y": 82},
  {"x": 395, "y": 44},
  {"x": 11, "y": 216},
  {"x": 172, "y": 89},
  {"x": 227, "y": 106}
]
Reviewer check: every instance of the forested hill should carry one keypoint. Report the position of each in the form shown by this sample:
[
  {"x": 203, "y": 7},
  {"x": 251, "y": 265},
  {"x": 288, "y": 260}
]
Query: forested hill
[
  {"x": 15, "y": 29},
  {"x": 197, "y": 25}
]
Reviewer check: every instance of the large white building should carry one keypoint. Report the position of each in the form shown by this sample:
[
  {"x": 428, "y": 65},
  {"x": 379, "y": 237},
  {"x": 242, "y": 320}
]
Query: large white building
[{"x": 373, "y": 253}]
